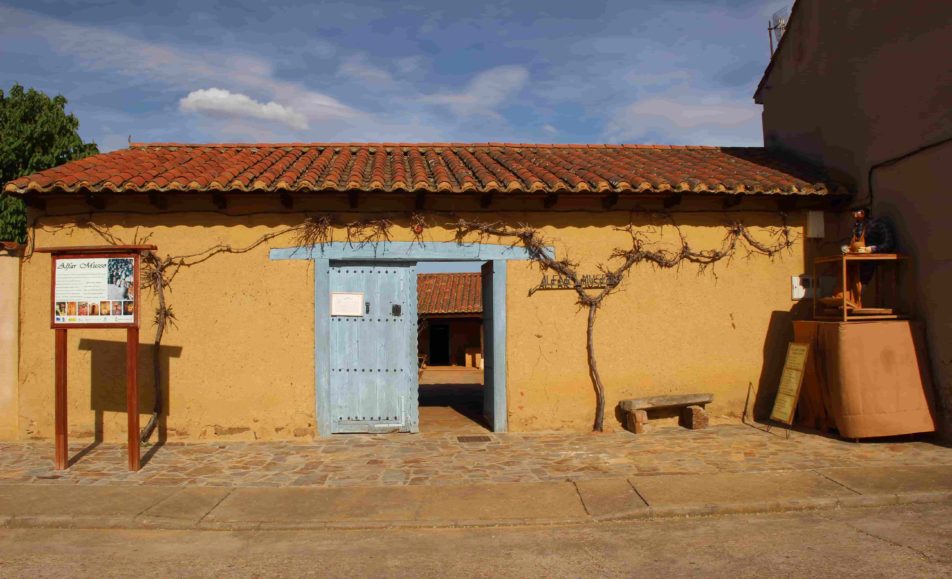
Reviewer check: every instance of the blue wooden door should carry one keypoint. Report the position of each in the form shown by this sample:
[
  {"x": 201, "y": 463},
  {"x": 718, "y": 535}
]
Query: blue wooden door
[{"x": 373, "y": 363}]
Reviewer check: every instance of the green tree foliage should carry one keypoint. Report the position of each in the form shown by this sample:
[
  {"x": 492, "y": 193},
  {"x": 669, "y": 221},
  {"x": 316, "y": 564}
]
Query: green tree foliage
[{"x": 36, "y": 133}]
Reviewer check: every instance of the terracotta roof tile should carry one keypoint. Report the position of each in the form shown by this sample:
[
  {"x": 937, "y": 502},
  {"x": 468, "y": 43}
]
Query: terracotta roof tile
[
  {"x": 443, "y": 167},
  {"x": 449, "y": 293}
]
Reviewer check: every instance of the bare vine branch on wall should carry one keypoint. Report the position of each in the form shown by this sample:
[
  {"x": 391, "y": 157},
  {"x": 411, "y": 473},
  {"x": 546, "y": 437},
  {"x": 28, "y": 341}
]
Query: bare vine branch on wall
[
  {"x": 641, "y": 250},
  {"x": 158, "y": 272}
]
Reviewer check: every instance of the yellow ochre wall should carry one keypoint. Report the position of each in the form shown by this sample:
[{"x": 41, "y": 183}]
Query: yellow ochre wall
[
  {"x": 9, "y": 340},
  {"x": 240, "y": 357}
]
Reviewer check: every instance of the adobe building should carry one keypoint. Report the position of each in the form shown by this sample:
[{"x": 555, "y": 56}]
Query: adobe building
[
  {"x": 864, "y": 90},
  {"x": 259, "y": 350},
  {"x": 450, "y": 311}
]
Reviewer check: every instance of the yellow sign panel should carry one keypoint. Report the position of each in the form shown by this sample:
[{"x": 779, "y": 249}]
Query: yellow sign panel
[{"x": 789, "y": 390}]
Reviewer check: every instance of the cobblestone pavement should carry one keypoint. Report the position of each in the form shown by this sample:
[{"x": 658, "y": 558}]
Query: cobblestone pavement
[{"x": 439, "y": 459}]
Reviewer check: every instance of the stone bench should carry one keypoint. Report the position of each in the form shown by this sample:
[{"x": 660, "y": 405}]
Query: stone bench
[{"x": 693, "y": 415}]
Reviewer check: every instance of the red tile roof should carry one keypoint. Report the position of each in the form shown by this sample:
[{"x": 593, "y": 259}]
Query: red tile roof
[
  {"x": 437, "y": 167},
  {"x": 449, "y": 293}
]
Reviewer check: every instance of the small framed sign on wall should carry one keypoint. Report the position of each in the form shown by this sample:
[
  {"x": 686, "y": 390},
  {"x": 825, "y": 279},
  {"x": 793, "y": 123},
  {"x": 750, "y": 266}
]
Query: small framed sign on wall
[
  {"x": 347, "y": 303},
  {"x": 95, "y": 291}
]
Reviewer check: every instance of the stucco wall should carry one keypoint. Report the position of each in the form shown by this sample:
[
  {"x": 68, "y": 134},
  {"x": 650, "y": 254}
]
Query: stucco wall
[
  {"x": 463, "y": 334},
  {"x": 856, "y": 84},
  {"x": 664, "y": 332},
  {"x": 9, "y": 340},
  {"x": 240, "y": 358},
  {"x": 914, "y": 194}
]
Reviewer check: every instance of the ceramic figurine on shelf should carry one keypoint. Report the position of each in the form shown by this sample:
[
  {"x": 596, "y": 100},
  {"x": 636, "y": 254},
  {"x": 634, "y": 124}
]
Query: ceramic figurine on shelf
[{"x": 869, "y": 235}]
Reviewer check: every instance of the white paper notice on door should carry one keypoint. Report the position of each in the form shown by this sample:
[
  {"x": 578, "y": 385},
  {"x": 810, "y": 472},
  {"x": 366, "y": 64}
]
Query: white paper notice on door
[{"x": 347, "y": 304}]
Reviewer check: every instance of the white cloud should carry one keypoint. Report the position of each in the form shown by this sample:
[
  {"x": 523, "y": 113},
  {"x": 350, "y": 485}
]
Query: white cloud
[
  {"x": 648, "y": 79},
  {"x": 690, "y": 115},
  {"x": 687, "y": 121},
  {"x": 216, "y": 101},
  {"x": 549, "y": 129},
  {"x": 170, "y": 67},
  {"x": 409, "y": 64},
  {"x": 357, "y": 67},
  {"x": 485, "y": 92}
]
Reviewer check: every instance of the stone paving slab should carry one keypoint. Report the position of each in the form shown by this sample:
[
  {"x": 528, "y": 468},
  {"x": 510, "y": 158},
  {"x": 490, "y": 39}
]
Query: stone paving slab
[
  {"x": 736, "y": 488},
  {"x": 609, "y": 497},
  {"x": 905, "y": 479},
  {"x": 289, "y": 507},
  {"x": 188, "y": 503},
  {"x": 78, "y": 501},
  {"x": 299, "y": 505},
  {"x": 438, "y": 460},
  {"x": 61, "y": 506},
  {"x": 537, "y": 502}
]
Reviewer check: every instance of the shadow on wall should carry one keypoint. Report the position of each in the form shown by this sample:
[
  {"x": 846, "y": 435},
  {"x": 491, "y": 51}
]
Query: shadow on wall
[
  {"x": 779, "y": 334},
  {"x": 108, "y": 382},
  {"x": 763, "y": 212}
]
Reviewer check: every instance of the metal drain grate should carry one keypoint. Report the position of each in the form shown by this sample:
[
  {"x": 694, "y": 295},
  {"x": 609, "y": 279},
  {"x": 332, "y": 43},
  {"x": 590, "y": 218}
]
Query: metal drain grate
[{"x": 473, "y": 439}]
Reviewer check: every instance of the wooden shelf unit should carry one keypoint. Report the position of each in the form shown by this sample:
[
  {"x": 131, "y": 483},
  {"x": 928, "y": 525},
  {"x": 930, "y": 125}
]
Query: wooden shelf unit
[{"x": 844, "y": 313}]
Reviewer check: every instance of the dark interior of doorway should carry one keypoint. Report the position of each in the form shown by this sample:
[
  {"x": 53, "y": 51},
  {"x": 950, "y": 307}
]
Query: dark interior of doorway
[
  {"x": 439, "y": 337},
  {"x": 451, "y": 385}
]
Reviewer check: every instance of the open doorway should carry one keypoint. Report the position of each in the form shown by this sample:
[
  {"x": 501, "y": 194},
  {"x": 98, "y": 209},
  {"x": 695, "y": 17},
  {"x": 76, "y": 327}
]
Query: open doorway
[
  {"x": 450, "y": 347},
  {"x": 438, "y": 343},
  {"x": 336, "y": 275}
]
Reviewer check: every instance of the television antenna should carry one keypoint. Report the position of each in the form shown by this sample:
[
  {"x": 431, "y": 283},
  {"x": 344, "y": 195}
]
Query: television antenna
[{"x": 777, "y": 26}]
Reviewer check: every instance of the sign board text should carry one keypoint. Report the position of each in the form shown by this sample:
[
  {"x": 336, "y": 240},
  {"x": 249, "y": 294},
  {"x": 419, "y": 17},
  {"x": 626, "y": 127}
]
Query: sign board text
[
  {"x": 95, "y": 291},
  {"x": 588, "y": 281},
  {"x": 785, "y": 404}
]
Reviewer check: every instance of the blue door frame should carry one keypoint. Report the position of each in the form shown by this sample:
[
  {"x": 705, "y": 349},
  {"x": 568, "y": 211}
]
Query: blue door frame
[{"x": 322, "y": 255}]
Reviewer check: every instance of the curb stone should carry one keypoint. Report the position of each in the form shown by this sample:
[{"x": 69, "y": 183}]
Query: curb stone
[{"x": 661, "y": 512}]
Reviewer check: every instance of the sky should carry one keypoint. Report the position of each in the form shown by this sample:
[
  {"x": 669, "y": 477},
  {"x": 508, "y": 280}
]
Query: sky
[
  {"x": 585, "y": 71},
  {"x": 448, "y": 266}
]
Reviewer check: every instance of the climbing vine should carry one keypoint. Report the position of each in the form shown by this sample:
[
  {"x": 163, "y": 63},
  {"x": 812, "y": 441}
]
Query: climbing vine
[
  {"x": 641, "y": 250},
  {"x": 158, "y": 272}
]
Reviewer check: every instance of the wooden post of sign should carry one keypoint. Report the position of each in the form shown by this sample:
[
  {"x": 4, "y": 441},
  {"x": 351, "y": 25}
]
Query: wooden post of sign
[
  {"x": 132, "y": 395},
  {"x": 71, "y": 311},
  {"x": 60, "y": 431}
]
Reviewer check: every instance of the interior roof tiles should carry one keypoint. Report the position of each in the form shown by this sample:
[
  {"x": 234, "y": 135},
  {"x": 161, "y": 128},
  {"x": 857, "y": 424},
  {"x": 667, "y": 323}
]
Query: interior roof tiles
[{"x": 449, "y": 293}]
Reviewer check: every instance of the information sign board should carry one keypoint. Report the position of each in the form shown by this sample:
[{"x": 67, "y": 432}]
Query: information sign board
[
  {"x": 95, "y": 291},
  {"x": 790, "y": 381}
]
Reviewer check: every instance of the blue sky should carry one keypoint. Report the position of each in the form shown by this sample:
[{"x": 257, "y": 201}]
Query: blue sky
[{"x": 588, "y": 71}]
